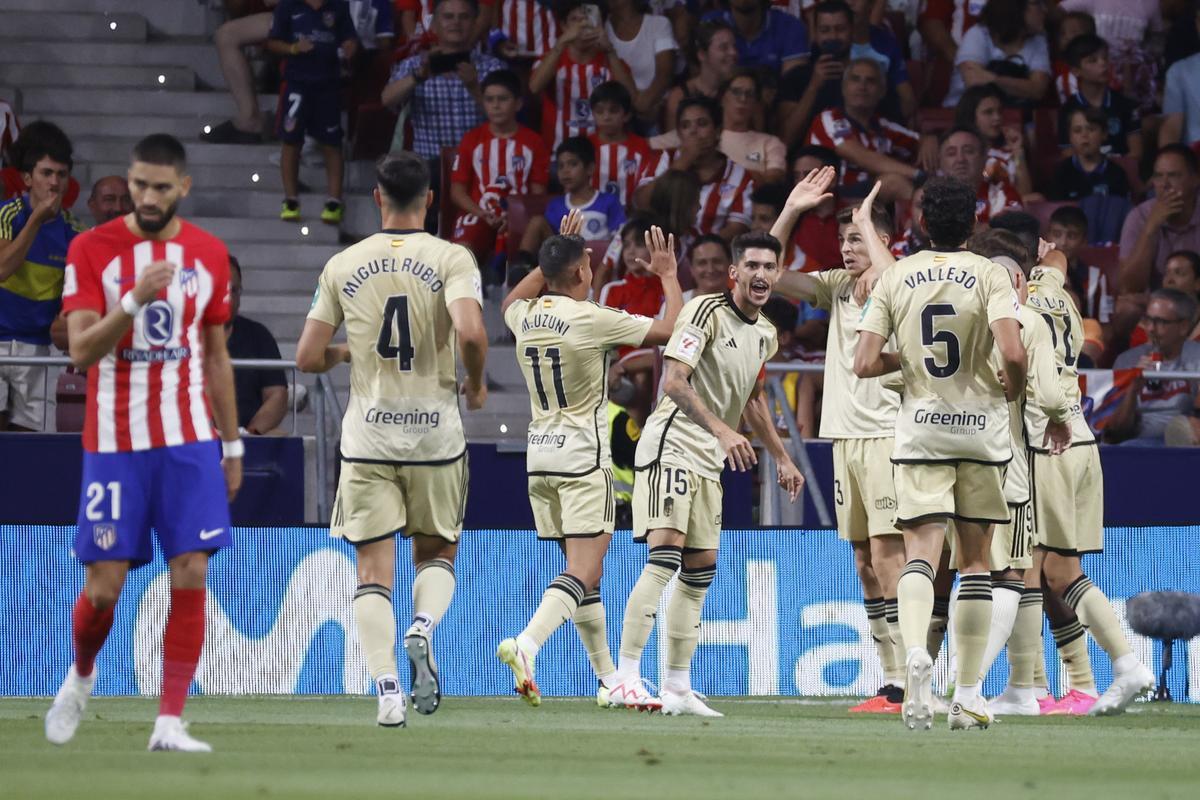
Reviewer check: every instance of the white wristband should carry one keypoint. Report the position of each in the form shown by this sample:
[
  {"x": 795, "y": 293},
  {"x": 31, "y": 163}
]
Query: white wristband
[
  {"x": 129, "y": 304},
  {"x": 234, "y": 449}
]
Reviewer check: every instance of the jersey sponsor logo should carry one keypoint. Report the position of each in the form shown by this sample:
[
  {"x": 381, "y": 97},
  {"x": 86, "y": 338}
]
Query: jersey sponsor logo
[
  {"x": 415, "y": 421},
  {"x": 885, "y": 504},
  {"x": 104, "y": 535},
  {"x": 316, "y": 297},
  {"x": 962, "y": 423},
  {"x": 731, "y": 343},
  {"x": 158, "y": 323},
  {"x": 548, "y": 440}
]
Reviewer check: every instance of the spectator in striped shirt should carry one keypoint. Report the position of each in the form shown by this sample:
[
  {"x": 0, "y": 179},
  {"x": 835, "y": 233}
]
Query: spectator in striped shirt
[
  {"x": 725, "y": 187},
  {"x": 622, "y": 157},
  {"x": 495, "y": 160},
  {"x": 871, "y": 147},
  {"x": 525, "y": 29},
  {"x": 581, "y": 59}
]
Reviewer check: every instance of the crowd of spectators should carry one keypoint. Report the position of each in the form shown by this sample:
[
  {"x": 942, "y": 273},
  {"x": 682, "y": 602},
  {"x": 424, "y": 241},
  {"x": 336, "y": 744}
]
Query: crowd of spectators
[{"x": 1076, "y": 120}]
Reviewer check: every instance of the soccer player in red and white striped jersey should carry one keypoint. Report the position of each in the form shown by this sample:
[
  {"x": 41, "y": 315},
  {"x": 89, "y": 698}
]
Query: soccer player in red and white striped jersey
[
  {"x": 622, "y": 158},
  {"x": 581, "y": 59},
  {"x": 146, "y": 298},
  {"x": 497, "y": 159},
  {"x": 725, "y": 187},
  {"x": 529, "y": 28},
  {"x": 870, "y": 146}
]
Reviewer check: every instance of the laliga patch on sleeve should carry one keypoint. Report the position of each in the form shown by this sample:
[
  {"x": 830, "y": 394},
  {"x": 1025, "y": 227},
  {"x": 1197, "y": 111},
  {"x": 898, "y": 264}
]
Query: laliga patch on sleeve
[
  {"x": 688, "y": 346},
  {"x": 70, "y": 282},
  {"x": 477, "y": 285},
  {"x": 316, "y": 297},
  {"x": 1016, "y": 301}
]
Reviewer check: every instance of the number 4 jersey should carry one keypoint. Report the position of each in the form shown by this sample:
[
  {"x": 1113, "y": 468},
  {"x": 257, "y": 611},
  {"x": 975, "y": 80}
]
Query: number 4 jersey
[
  {"x": 940, "y": 305},
  {"x": 563, "y": 347},
  {"x": 393, "y": 291}
]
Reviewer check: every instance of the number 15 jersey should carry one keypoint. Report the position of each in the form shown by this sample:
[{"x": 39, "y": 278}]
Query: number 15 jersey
[
  {"x": 563, "y": 347},
  {"x": 940, "y": 305},
  {"x": 393, "y": 291}
]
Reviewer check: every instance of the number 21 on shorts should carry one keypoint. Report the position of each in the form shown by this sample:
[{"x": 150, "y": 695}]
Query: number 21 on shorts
[{"x": 103, "y": 497}]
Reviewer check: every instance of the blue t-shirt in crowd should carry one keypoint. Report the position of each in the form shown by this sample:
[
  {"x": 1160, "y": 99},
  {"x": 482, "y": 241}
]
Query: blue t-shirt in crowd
[
  {"x": 31, "y": 297},
  {"x": 782, "y": 37},
  {"x": 603, "y": 215},
  {"x": 326, "y": 27},
  {"x": 883, "y": 47}
]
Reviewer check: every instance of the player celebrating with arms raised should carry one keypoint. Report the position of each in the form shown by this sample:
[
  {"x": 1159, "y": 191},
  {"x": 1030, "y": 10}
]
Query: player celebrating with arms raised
[
  {"x": 405, "y": 297},
  {"x": 947, "y": 309},
  {"x": 563, "y": 345},
  {"x": 146, "y": 298},
  {"x": 714, "y": 375}
]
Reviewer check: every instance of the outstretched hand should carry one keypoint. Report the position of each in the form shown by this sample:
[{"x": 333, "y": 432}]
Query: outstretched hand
[
  {"x": 812, "y": 190},
  {"x": 572, "y": 223},
  {"x": 861, "y": 216},
  {"x": 662, "y": 253}
]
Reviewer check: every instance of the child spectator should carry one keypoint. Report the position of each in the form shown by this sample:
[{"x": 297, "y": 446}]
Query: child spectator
[
  {"x": 1088, "y": 58},
  {"x": 1089, "y": 177},
  {"x": 1075, "y": 23},
  {"x": 766, "y": 204},
  {"x": 1124, "y": 24},
  {"x": 1068, "y": 232},
  {"x": 581, "y": 59},
  {"x": 982, "y": 108},
  {"x": 308, "y": 34},
  {"x": 602, "y": 212},
  {"x": 499, "y": 158},
  {"x": 622, "y": 158}
]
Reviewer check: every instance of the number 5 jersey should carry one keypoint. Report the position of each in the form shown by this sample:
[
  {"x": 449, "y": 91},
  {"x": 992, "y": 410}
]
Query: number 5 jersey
[{"x": 393, "y": 291}]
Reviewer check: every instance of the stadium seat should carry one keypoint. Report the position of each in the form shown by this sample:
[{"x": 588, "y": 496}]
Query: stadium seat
[
  {"x": 70, "y": 395},
  {"x": 521, "y": 209},
  {"x": 1043, "y": 210},
  {"x": 373, "y": 126}
]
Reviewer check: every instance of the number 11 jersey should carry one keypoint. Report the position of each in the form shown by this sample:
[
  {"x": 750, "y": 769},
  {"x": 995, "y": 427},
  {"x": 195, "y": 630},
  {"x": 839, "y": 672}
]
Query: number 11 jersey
[
  {"x": 393, "y": 291},
  {"x": 940, "y": 305}
]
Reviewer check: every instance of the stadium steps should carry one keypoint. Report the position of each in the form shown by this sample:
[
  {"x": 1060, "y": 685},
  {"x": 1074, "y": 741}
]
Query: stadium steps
[
  {"x": 164, "y": 17},
  {"x": 195, "y": 53},
  {"x": 42, "y": 74},
  {"x": 129, "y": 129},
  {"x": 37, "y": 25},
  {"x": 236, "y": 231},
  {"x": 257, "y": 205},
  {"x": 152, "y": 103}
]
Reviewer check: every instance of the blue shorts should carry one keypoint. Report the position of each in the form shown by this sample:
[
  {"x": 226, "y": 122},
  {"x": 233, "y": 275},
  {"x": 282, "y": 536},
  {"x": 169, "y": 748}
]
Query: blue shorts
[
  {"x": 178, "y": 491},
  {"x": 309, "y": 108}
]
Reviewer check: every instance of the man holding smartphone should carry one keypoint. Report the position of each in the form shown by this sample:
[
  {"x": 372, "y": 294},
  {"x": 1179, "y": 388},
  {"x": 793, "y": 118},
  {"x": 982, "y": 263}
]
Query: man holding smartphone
[{"x": 441, "y": 86}]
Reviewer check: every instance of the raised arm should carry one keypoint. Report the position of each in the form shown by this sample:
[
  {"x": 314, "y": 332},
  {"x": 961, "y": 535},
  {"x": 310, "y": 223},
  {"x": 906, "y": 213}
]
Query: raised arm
[
  {"x": 738, "y": 452},
  {"x": 662, "y": 263},
  {"x": 810, "y": 192}
]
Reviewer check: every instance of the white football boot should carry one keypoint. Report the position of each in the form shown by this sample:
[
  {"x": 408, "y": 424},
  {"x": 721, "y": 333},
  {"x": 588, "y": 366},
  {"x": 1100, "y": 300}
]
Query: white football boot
[
  {"x": 66, "y": 711},
  {"x": 676, "y": 704},
  {"x": 632, "y": 693},
  {"x": 170, "y": 733},
  {"x": 971, "y": 714},
  {"x": 1014, "y": 702},
  {"x": 393, "y": 709},
  {"x": 426, "y": 688},
  {"x": 1127, "y": 686},
  {"x": 917, "y": 709}
]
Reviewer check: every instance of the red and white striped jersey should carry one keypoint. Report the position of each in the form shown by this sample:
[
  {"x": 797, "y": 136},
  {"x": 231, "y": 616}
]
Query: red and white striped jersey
[
  {"x": 832, "y": 127},
  {"x": 620, "y": 166},
  {"x": 724, "y": 200},
  {"x": 959, "y": 16},
  {"x": 993, "y": 198},
  {"x": 529, "y": 25},
  {"x": 149, "y": 391},
  {"x": 487, "y": 163},
  {"x": 566, "y": 111},
  {"x": 1000, "y": 165}
]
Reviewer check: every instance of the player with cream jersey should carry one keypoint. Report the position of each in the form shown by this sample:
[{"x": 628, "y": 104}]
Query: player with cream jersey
[
  {"x": 407, "y": 299},
  {"x": 859, "y": 416},
  {"x": 564, "y": 346},
  {"x": 714, "y": 377},
  {"x": 947, "y": 310}
]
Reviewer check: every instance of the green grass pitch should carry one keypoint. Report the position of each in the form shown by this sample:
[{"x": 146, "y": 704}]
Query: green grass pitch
[{"x": 325, "y": 747}]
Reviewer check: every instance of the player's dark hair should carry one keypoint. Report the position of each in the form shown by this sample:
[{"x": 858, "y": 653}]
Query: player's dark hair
[
  {"x": 558, "y": 254},
  {"x": 161, "y": 149},
  {"x": 969, "y": 129},
  {"x": 1023, "y": 224},
  {"x": 563, "y": 8},
  {"x": 711, "y": 238},
  {"x": 880, "y": 215},
  {"x": 612, "y": 92},
  {"x": 994, "y": 243},
  {"x": 1184, "y": 303},
  {"x": 1083, "y": 46},
  {"x": 1191, "y": 257},
  {"x": 41, "y": 139},
  {"x": 1181, "y": 150},
  {"x": 833, "y": 7},
  {"x": 505, "y": 79},
  {"x": 783, "y": 315},
  {"x": 770, "y": 194},
  {"x": 749, "y": 241},
  {"x": 949, "y": 211},
  {"x": 580, "y": 147},
  {"x": 827, "y": 157},
  {"x": 710, "y": 106},
  {"x": 403, "y": 179},
  {"x": 968, "y": 104},
  {"x": 1093, "y": 115},
  {"x": 1070, "y": 217}
]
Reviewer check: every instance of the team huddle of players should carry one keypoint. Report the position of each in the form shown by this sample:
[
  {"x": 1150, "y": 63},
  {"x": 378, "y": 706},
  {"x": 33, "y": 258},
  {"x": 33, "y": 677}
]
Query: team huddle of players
[{"x": 951, "y": 397}]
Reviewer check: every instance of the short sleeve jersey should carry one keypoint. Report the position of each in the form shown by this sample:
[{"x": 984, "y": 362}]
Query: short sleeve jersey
[
  {"x": 726, "y": 351},
  {"x": 1048, "y": 296},
  {"x": 563, "y": 348},
  {"x": 497, "y": 166},
  {"x": 393, "y": 291},
  {"x": 326, "y": 27},
  {"x": 31, "y": 297},
  {"x": 603, "y": 215},
  {"x": 939, "y": 305},
  {"x": 854, "y": 408},
  {"x": 149, "y": 391}
]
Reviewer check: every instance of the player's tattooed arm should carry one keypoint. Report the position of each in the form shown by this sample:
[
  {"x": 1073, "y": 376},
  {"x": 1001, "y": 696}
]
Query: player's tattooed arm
[
  {"x": 758, "y": 415},
  {"x": 315, "y": 353},
  {"x": 738, "y": 452}
]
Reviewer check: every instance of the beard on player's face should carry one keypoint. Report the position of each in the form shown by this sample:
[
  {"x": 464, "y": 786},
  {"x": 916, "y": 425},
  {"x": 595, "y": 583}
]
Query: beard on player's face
[{"x": 153, "y": 219}]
